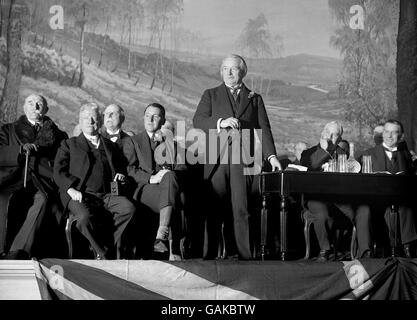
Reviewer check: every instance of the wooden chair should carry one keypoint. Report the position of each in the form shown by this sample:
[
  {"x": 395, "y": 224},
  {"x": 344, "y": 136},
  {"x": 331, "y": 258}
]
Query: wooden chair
[{"x": 307, "y": 217}]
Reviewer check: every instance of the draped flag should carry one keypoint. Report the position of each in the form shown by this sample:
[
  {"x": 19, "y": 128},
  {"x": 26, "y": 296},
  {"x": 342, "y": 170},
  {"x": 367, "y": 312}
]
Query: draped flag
[{"x": 393, "y": 278}]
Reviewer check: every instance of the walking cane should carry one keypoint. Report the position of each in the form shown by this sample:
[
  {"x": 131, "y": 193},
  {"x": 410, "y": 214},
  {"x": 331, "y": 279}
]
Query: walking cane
[{"x": 26, "y": 169}]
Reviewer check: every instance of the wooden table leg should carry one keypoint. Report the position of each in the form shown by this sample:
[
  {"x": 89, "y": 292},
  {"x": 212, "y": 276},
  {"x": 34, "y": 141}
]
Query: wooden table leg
[
  {"x": 264, "y": 224},
  {"x": 283, "y": 227},
  {"x": 394, "y": 230}
]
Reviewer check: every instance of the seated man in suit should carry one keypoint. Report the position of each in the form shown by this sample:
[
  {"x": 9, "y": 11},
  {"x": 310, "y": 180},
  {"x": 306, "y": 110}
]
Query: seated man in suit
[
  {"x": 314, "y": 159},
  {"x": 84, "y": 168},
  {"x": 158, "y": 184},
  {"x": 36, "y": 136},
  {"x": 114, "y": 116},
  {"x": 393, "y": 156},
  {"x": 298, "y": 150}
]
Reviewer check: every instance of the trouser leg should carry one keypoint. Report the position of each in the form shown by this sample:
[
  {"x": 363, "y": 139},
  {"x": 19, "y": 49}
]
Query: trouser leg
[
  {"x": 361, "y": 217},
  {"x": 122, "y": 211},
  {"x": 218, "y": 207},
  {"x": 407, "y": 224},
  {"x": 239, "y": 196},
  {"x": 26, "y": 236},
  {"x": 320, "y": 213},
  {"x": 83, "y": 215}
]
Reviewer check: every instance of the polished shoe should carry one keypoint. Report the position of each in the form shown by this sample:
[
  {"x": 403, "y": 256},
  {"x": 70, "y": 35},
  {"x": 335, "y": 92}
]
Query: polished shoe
[
  {"x": 17, "y": 255},
  {"x": 175, "y": 257},
  {"x": 160, "y": 246},
  {"x": 407, "y": 251},
  {"x": 367, "y": 255},
  {"x": 323, "y": 256},
  {"x": 100, "y": 257}
]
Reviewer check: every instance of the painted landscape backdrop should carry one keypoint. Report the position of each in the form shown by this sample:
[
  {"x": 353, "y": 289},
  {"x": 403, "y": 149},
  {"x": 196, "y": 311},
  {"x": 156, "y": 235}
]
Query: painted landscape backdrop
[{"x": 313, "y": 61}]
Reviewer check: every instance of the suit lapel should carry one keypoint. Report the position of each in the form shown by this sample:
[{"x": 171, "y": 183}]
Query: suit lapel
[
  {"x": 107, "y": 145},
  {"x": 380, "y": 164},
  {"x": 83, "y": 143},
  {"x": 145, "y": 151},
  {"x": 85, "y": 150},
  {"x": 244, "y": 101}
]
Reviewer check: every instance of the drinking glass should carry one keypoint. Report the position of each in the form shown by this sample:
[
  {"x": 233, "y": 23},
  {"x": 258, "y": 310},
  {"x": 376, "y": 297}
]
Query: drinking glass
[
  {"x": 341, "y": 163},
  {"x": 332, "y": 165},
  {"x": 367, "y": 164}
]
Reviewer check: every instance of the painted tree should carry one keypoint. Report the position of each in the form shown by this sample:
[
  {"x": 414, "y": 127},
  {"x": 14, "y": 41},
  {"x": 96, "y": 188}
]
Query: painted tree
[
  {"x": 255, "y": 38},
  {"x": 106, "y": 9},
  {"x": 255, "y": 42},
  {"x": 368, "y": 60},
  {"x": 130, "y": 12},
  {"x": 81, "y": 12},
  {"x": 15, "y": 27},
  {"x": 407, "y": 70},
  {"x": 160, "y": 13}
]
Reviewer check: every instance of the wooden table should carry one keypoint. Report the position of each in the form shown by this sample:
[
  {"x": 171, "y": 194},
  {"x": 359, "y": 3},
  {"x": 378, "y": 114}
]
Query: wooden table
[{"x": 284, "y": 183}]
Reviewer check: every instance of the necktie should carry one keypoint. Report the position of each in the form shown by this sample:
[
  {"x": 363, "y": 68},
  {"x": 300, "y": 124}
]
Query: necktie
[
  {"x": 235, "y": 94},
  {"x": 37, "y": 127},
  {"x": 154, "y": 142}
]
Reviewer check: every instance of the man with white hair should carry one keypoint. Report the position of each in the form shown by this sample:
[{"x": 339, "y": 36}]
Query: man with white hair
[
  {"x": 230, "y": 108},
  {"x": 114, "y": 117},
  {"x": 298, "y": 150},
  {"x": 321, "y": 206},
  {"x": 84, "y": 168},
  {"x": 33, "y": 137}
]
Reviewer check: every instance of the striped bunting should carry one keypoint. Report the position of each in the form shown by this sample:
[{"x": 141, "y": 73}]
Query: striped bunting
[{"x": 225, "y": 280}]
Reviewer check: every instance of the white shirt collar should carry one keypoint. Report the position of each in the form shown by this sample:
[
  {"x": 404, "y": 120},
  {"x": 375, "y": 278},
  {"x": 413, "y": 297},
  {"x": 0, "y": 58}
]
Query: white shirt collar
[
  {"x": 157, "y": 133},
  {"x": 236, "y": 87},
  {"x": 32, "y": 122},
  {"x": 93, "y": 139},
  {"x": 115, "y": 132},
  {"x": 389, "y": 149},
  {"x": 150, "y": 134}
]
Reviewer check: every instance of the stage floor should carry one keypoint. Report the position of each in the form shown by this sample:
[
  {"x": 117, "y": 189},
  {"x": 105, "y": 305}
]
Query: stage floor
[{"x": 391, "y": 278}]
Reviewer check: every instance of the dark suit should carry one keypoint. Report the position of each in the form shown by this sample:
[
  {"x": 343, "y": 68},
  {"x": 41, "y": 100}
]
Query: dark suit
[
  {"x": 142, "y": 165},
  {"x": 227, "y": 181},
  {"x": 40, "y": 188},
  {"x": 320, "y": 206},
  {"x": 75, "y": 168},
  {"x": 401, "y": 162}
]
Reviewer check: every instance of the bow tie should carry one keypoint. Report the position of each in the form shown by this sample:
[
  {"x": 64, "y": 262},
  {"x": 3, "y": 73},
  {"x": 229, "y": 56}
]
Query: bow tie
[
  {"x": 389, "y": 150},
  {"x": 115, "y": 135}
]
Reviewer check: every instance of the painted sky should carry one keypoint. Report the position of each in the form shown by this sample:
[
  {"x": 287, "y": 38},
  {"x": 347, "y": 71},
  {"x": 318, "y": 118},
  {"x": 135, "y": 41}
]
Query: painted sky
[{"x": 304, "y": 25}]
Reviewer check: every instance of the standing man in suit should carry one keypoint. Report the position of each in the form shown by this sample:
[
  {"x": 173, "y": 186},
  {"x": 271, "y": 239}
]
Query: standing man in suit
[
  {"x": 322, "y": 207},
  {"x": 232, "y": 106},
  {"x": 158, "y": 184},
  {"x": 36, "y": 136},
  {"x": 393, "y": 156},
  {"x": 114, "y": 117},
  {"x": 84, "y": 168}
]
